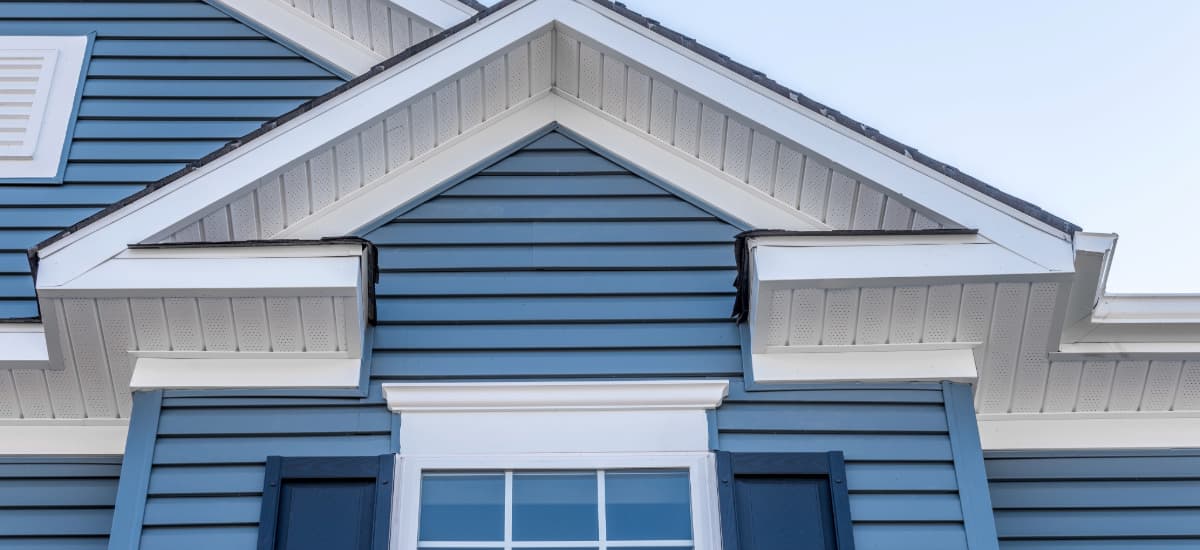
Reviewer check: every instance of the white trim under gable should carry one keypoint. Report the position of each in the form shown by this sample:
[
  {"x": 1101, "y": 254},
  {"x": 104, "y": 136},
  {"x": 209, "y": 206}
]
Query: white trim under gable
[
  {"x": 40, "y": 79},
  {"x": 1101, "y": 430},
  {"x": 85, "y": 437},
  {"x": 23, "y": 346}
]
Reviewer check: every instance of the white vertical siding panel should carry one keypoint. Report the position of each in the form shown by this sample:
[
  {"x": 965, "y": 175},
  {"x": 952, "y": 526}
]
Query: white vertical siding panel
[
  {"x": 612, "y": 99},
  {"x": 814, "y": 188},
  {"x": 1003, "y": 346},
  {"x": 322, "y": 10},
  {"x": 908, "y": 314},
  {"x": 777, "y": 317},
  {"x": 400, "y": 31},
  {"x": 1161, "y": 385},
  {"x": 1129, "y": 380},
  {"x": 360, "y": 22},
  {"x": 295, "y": 193},
  {"x": 662, "y": 111},
  {"x": 807, "y": 319},
  {"x": 975, "y": 312},
  {"x": 762, "y": 162},
  {"x": 737, "y": 149},
  {"x": 1188, "y": 397},
  {"x": 348, "y": 160},
  {"x": 116, "y": 323},
  {"x": 1062, "y": 386},
  {"x": 495, "y": 88},
  {"x": 446, "y": 105},
  {"x": 421, "y": 31},
  {"x": 941, "y": 313},
  {"x": 216, "y": 225},
  {"x": 1029, "y": 385},
  {"x": 399, "y": 138},
  {"x": 35, "y": 396},
  {"x": 541, "y": 63},
  {"x": 66, "y": 398},
  {"x": 712, "y": 135},
  {"x": 216, "y": 324},
  {"x": 518, "y": 74},
  {"x": 470, "y": 93},
  {"x": 10, "y": 406},
  {"x": 687, "y": 124},
  {"x": 190, "y": 234},
  {"x": 590, "y": 75},
  {"x": 566, "y": 64},
  {"x": 243, "y": 217},
  {"x": 788, "y": 171},
  {"x": 250, "y": 320},
  {"x": 91, "y": 364},
  {"x": 270, "y": 207},
  {"x": 422, "y": 125},
  {"x": 896, "y": 215},
  {"x": 381, "y": 36},
  {"x": 183, "y": 324},
  {"x": 340, "y": 305},
  {"x": 283, "y": 319},
  {"x": 304, "y": 6},
  {"x": 341, "y": 16},
  {"x": 868, "y": 211},
  {"x": 320, "y": 334},
  {"x": 1095, "y": 385},
  {"x": 874, "y": 316},
  {"x": 637, "y": 102},
  {"x": 920, "y": 221},
  {"x": 840, "y": 206},
  {"x": 322, "y": 179},
  {"x": 150, "y": 324},
  {"x": 374, "y": 153},
  {"x": 841, "y": 316}
]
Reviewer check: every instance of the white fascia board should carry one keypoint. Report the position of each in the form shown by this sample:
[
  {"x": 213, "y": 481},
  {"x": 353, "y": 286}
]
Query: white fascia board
[
  {"x": 953, "y": 362},
  {"x": 1160, "y": 351},
  {"x": 222, "y": 277},
  {"x": 828, "y": 266},
  {"x": 466, "y": 151},
  {"x": 1072, "y": 431},
  {"x": 88, "y": 437},
  {"x": 23, "y": 346},
  {"x": 232, "y": 371},
  {"x": 1148, "y": 309},
  {"x": 558, "y": 396},
  {"x": 306, "y": 33}
]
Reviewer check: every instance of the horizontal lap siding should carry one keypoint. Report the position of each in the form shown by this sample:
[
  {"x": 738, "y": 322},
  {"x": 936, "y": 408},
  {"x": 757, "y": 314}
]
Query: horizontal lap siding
[
  {"x": 168, "y": 82},
  {"x": 1076, "y": 500},
  {"x": 57, "y": 502}
]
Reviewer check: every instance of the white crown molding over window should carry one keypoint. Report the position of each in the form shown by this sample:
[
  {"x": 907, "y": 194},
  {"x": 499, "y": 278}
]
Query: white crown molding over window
[
  {"x": 554, "y": 417},
  {"x": 39, "y": 77}
]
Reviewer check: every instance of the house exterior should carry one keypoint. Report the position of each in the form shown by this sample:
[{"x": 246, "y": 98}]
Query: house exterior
[{"x": 421, "y": 274}]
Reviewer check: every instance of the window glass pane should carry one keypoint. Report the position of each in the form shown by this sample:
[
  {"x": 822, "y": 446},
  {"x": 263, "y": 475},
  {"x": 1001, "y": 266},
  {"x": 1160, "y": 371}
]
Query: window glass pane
[
  {"x": 462, "y": 507},
  {"x": 555, "y": 506},
  {"x": 648, "y": 505}
]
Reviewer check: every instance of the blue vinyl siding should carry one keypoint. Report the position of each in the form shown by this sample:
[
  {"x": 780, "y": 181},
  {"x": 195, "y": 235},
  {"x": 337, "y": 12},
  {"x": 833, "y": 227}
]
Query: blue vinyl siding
[
  {"x": 169, "y": 81},
  {"x": 60, "y": 503},
  {"x": 1096, "y": 500},
  {"x": 612, "y": 277}
]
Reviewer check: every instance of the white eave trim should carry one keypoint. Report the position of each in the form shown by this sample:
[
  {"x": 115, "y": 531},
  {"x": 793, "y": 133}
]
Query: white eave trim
[
  {"x": 23, "y": 346},
  {"x": 1159, "y": 351},
  {"x": 952, "y": 361},
  {"x": 88, "y": 437},
  {"x": 231, "y": 371},
  {"x": 1107, "y": 430},
  {"x": 560, "y": 396},
  {"x": 1148, "y": 309}
]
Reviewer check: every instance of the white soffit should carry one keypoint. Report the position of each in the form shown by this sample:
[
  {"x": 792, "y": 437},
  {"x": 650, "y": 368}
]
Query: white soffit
[
  {"x": 554, "y": 417},
  {"x": 39, "y": 80},
  {"x": 23, "y": 346},
  {"x": 1075, "y": 431},
  {"x": 361, "y": 106}
]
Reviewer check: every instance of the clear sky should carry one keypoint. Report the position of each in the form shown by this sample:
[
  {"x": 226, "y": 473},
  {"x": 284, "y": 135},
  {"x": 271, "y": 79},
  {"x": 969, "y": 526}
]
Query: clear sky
[{"x": 1087, "y": 108}]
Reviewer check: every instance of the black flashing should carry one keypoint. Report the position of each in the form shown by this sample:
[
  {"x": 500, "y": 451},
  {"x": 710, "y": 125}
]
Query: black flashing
[{"x": 741, "y": 253}]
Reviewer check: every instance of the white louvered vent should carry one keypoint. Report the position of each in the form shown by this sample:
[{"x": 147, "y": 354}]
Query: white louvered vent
[{"x": 39, "y": 78}]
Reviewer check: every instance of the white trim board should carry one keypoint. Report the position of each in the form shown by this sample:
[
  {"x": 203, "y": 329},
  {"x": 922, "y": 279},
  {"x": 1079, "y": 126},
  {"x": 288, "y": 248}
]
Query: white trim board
[
  {"x": 951, "y": 361},
  {"x": 238, "y": 169},
  {"x": 63, "y": 437},
  {"x": 231, "y": 371},
  {"x": 1068, "y": 431},
  {"x": 23, "y": 346}
]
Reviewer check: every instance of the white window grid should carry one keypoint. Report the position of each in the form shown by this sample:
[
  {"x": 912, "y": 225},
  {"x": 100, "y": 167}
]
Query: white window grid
[{"x": 701, "y": 477}]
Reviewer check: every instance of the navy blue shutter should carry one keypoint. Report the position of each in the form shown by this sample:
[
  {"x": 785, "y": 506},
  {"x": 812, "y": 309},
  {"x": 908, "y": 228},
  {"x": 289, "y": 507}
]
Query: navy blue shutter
[
  {"x": 784, "y": 501},
  {"x": 327, "y": 502}
]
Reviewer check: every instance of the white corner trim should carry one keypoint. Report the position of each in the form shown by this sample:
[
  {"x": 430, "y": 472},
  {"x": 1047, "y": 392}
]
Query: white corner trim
[
  {"x": 44, "y": 95},
  {"x": 555, "y": 396},
  {"x": 554, "y": 417},
  {"x": 307, "y": 33},
  {"x": 63, "y": 437},
  {"x": 23, "y": 346},
  {"x": 1066, "y": 431},
  {"x": 154, "y": 373},
  {"x": 953, "y": 362}
]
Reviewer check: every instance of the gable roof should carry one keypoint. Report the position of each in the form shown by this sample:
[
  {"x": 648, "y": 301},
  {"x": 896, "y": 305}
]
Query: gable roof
[{"x": 691, "y": 44}]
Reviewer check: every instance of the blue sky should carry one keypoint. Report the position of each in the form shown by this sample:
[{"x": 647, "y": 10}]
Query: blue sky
[{"x": 1087, "y": 108}]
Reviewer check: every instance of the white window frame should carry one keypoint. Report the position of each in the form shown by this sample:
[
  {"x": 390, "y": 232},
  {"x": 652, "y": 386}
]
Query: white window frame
[
  {"x": 53, "y": 105},
  {"x": 701, "y": 468}
]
